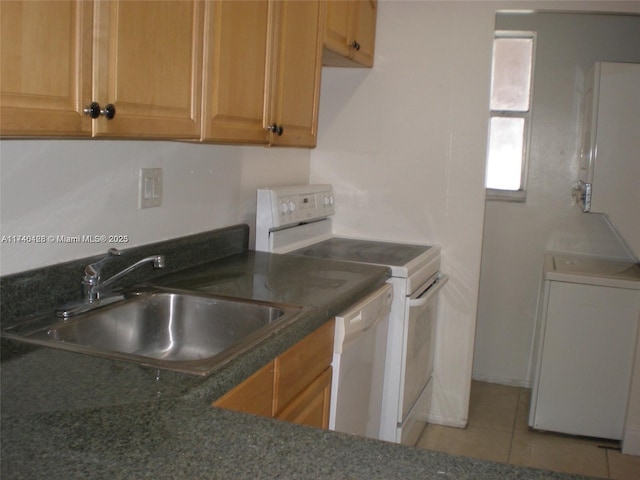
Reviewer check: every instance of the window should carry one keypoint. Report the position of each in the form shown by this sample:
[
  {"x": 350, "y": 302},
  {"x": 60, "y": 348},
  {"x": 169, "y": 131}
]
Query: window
[{"x": 511, "y": 86}]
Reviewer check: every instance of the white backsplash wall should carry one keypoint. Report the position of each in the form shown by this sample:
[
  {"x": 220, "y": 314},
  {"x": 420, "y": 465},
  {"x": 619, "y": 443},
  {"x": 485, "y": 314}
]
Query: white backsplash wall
[
  {"x": 90, "y": 187},
  {"x": 517, "y": 234}
]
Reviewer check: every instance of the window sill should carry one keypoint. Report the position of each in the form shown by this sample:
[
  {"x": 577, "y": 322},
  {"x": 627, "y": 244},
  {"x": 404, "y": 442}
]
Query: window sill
[{"x": 516, "y": 196}]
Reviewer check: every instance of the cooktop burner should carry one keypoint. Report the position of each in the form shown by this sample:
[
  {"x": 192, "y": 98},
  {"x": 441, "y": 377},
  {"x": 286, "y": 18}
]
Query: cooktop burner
[{"x": 365, "y": 251}]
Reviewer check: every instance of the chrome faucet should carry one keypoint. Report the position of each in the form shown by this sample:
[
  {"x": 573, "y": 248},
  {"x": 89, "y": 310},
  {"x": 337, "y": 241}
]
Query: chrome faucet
[{"x": 93, "y": 286}]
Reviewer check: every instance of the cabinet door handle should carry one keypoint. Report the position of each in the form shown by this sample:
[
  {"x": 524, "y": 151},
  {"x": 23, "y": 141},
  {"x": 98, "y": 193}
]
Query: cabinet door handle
[
  {"x": 109, "y": 111},
  {"x": 94, "y": 110},
  {"x": 277, "y": 129},
  {"x": 355, "y": 45}
]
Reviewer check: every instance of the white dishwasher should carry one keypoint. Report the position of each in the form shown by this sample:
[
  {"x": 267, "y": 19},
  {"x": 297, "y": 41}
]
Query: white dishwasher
[{"x": 359, "y": 355}]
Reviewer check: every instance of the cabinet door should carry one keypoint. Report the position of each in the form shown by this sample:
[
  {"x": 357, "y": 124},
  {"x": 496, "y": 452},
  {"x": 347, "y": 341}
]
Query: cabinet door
[
  {"x": 254, "y": 395},
  {"x": 235, "y": 67},
  {"x": 362, "y": 15},
  {"x": 296, "y": 386},
  {"x": 294, "y": 72},
  {"x": 336, "y": 27},
  {"x": 349, "y": 33},
  {"x": 311, "y": 407},
  {"x": 148, "y": 63},
  {"x": 46, "y": 67},
  {"x": 301, "y": 364}
]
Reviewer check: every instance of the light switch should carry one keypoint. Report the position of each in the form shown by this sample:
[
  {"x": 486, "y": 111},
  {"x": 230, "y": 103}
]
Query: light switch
[{"x": 150, "y": 187}]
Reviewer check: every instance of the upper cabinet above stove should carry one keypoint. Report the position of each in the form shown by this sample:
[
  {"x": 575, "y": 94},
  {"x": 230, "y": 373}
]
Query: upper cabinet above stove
[
  {"x": 117, "y": 69},
  {"x": 350, "y": 32},
  {"x": 256, "y": 64}
]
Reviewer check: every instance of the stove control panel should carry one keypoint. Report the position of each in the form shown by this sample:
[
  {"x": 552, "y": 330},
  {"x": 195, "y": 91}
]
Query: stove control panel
[{"x": 285, "y": 206}]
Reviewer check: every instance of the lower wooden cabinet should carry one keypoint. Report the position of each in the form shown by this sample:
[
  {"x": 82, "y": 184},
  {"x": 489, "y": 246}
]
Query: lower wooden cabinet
[
  {"x": 311, "y": 406},
  {"x": 295, "y": 386},
  {"x": 299, "y": 366},
  {"x": 254, "y": 395}
]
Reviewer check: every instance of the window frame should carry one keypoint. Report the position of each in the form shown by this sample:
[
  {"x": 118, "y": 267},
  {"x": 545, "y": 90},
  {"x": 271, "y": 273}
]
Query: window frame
[{"x": 519, "y": 195}]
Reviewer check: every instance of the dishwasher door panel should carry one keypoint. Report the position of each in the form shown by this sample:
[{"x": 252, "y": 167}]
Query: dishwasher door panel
[{"x": 359, "y": 357}]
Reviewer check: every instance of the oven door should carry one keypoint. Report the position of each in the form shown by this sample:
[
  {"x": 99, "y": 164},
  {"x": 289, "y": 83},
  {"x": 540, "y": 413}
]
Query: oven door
[{"x": 419, "y": 341}]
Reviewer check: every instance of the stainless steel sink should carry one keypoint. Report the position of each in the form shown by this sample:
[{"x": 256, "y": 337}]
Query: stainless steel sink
[{"x": 176, "y": 330}]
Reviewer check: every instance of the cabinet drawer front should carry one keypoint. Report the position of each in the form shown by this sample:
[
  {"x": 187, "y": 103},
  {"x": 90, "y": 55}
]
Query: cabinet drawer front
[
  {"x": 254, "y": 395},
  {"x": 302, "y": 364}
]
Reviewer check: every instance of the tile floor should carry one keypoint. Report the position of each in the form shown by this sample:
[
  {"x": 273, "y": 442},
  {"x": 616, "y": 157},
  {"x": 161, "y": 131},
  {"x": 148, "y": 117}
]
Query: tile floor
[{"x": 497, "y": 430}]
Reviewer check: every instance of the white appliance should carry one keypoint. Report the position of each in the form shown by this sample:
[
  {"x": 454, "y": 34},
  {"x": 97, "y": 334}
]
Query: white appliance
[
  {"x": 297, "y": 219},
  {"x": 610, "y": 153},
  {"x": 359, "y": 354},
  {"x": 586, "y": 338}
]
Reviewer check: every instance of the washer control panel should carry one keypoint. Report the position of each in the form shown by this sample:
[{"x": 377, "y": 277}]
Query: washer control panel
[{"x": 283, "y": 206}]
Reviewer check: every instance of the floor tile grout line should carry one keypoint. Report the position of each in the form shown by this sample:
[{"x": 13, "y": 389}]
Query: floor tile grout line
[{"x": 513, "y": 428}]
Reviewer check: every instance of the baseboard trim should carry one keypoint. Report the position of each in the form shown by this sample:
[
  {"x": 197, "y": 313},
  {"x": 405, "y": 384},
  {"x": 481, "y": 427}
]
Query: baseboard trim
[
  {"x": 631, "y": 442},
  {"x": 447, "y": 422},
  {"x": 512, "y": 382}
]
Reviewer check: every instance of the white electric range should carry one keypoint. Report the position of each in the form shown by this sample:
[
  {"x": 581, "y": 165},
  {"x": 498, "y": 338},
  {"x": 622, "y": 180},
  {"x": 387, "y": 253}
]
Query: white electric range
[{"x": 297, "y": 220}]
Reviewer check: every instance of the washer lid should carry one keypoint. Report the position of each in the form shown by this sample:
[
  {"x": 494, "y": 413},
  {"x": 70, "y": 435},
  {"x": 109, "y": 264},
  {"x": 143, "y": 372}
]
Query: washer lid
[{"x": 592, "y": 270}]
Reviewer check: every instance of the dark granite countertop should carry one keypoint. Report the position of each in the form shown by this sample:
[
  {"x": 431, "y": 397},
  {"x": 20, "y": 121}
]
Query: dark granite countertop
[
  {"x": 188, "y": 440},
  {"x": 72, "y": 416}
]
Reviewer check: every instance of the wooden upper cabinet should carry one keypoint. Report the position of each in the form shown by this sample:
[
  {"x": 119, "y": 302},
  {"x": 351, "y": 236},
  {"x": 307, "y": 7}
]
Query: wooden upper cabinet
[
  {"x": 143, "y": 57},
  {"x": 363, "y": 15},
  {"x": 336, "y": 29},
  {"x": 262, "y": 72},
  {"x": 235, "y": 71},
  {"x": 229, "y": 71},
  {"x": 294, "y": 76},
  {"x": 349, "y": 33},
  {"x": 148, "y": 63},
  {"x": 45, "y": 67}
]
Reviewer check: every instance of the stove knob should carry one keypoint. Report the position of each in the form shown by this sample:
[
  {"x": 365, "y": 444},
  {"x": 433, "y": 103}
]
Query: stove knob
[
  {"x": 292, "y": 206},
  {"x": 284, "y": 207}
]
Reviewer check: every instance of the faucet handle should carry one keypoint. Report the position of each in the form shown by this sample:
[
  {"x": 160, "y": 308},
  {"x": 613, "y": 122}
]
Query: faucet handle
[{"x": 92, "y": 271}]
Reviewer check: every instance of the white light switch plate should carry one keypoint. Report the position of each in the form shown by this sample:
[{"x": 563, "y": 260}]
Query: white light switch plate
[{"x": 150, "y": 187}]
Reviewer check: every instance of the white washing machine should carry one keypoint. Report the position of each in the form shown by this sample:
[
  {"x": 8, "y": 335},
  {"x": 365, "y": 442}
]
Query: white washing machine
[{"x": 586, "y": 336}]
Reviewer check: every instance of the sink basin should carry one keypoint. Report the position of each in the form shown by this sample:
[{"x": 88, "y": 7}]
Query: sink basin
[{"x": 176, "y": 330}]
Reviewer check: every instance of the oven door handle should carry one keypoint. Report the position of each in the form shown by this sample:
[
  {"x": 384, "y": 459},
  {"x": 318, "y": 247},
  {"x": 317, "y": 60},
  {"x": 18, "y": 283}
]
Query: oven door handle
[{"x": 431, "y": 290}]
